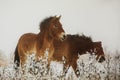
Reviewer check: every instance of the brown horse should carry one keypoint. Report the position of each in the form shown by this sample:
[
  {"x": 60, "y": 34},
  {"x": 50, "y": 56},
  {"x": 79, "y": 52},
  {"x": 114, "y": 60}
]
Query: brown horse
[
  {"x": 74, "y": 45},
  {"x": 50, "y": 29}
]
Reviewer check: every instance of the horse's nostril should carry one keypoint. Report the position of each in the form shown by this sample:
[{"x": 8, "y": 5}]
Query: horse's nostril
[
  {"x": 64, "y": 36},
  {"x": 101, "y": 59}
]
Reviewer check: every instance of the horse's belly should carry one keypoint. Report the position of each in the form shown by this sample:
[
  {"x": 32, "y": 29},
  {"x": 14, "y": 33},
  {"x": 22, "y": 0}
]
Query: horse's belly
[{"x": 31, "y": 52}]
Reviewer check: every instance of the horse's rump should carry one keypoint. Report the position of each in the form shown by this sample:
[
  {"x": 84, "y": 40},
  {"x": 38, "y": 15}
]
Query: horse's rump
[{"x": 27, "y": 42}]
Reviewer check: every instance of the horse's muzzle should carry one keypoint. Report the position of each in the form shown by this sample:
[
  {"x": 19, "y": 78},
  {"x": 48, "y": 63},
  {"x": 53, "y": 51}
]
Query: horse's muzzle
[
  {"x": 62, "y": 36},
  {"x": 102, "y": 58}
]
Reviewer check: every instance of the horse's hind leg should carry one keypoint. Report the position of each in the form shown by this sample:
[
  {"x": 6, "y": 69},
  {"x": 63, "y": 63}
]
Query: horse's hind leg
[{"x": 23, "y": 58}]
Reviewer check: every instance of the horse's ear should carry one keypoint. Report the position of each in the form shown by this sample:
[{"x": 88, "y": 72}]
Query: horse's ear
[
  {"x": 100, "y": 42},
  {"x": 59, "y": 17},
  {"x": 54, "y": 17}
]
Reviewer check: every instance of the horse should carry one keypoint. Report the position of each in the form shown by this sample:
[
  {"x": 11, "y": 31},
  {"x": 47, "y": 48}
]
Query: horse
[
  {"x": 31, "y": 43},
  {"x": 74, "y": 45}
]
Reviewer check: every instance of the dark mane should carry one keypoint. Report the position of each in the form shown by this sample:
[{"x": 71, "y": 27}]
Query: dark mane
[
  {"x": 44, "y": 23},
  {"x": 82, "y": 37}
]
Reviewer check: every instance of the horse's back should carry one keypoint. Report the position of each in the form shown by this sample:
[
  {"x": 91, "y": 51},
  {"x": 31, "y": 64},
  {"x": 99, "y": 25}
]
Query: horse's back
[{"x": 27, "y": 42}]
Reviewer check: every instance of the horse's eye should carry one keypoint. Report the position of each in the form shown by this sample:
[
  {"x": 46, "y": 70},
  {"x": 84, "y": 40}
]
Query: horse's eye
[{"x": 55, "y": 26}]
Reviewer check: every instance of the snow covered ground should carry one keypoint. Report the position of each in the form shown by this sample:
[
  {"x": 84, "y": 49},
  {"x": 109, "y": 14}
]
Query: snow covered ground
[{"x": 89, "y": 69}]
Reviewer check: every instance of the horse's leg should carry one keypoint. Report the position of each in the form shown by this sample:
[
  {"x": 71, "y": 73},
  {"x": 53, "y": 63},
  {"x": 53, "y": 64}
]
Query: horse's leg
[
  {"x": 39, "y": 54},
  {"x": 23, "y": 61},
  {"x": 23, "y": 58},
  {"x": 50, "y": 55},
  {"x": 74, "y": 65}
]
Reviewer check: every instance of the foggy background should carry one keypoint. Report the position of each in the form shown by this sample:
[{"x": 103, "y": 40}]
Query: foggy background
[{"x": 99, "y": 19}]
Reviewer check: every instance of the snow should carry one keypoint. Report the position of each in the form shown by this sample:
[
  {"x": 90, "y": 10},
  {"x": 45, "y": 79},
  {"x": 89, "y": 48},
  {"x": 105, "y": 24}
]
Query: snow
[{"x": 88, "y": 69}]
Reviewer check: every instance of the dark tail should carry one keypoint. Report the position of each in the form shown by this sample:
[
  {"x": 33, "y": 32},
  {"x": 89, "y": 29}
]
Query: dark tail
[{"x": 16, "y": 57}]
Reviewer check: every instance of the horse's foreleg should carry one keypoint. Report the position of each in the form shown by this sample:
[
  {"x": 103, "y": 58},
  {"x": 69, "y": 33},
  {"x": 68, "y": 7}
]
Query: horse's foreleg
[{"x": 74, "y": 65}]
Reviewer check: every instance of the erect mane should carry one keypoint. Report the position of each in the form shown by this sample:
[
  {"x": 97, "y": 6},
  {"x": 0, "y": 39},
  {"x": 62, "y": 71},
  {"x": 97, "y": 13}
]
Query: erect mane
[
  {"x": 43, "y": 25},
  {"x": 83, "y": 37}
]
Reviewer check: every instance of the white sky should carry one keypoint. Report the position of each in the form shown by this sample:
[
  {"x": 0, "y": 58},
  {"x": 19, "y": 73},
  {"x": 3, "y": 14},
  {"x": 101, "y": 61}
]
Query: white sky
[{"x": 99, "y": 19}]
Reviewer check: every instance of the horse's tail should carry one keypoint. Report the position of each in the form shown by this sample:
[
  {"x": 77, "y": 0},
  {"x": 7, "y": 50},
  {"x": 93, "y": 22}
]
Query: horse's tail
[{"x": 16, "y": 57}]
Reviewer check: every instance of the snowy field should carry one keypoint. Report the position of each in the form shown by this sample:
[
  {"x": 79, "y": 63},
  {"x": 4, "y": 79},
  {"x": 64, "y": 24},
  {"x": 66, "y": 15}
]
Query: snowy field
[{"x": 88, "y": 69}]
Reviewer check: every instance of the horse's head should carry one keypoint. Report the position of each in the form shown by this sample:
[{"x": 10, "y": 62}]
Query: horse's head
[
  {"x": 98, "y": 50},
  {"x": 53, "y": 27},
  {"x": 56, "y": 28}
]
